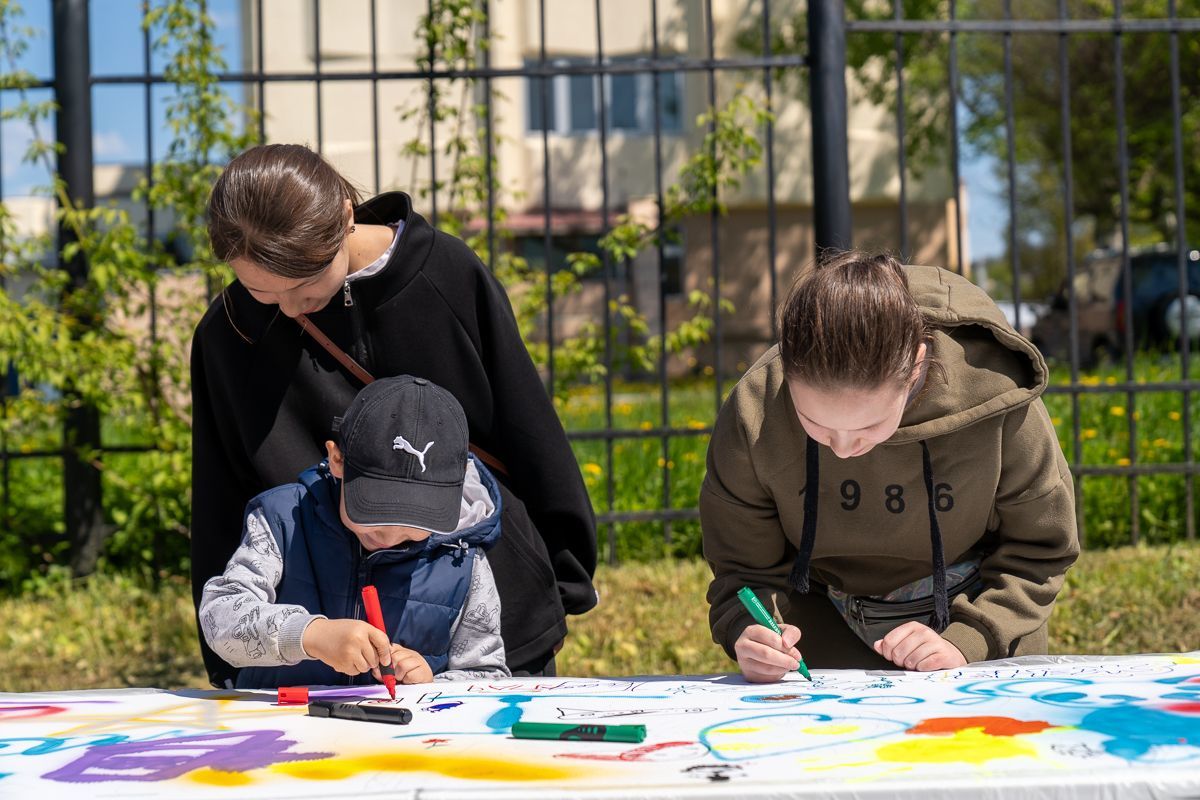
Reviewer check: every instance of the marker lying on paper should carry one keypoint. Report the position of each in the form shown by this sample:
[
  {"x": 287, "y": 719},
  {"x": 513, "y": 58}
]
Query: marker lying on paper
[
  {"x": 594, "y": 733},
  {"x": 763, "y": 617},
  {"x": 393, "y": 715}
]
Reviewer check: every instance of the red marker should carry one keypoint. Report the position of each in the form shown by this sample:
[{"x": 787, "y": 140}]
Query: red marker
[{"x": 375, "y": 617}]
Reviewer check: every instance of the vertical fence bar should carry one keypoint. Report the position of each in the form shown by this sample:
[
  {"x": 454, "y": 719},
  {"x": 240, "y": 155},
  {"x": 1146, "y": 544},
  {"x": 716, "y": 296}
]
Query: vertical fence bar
[
  {"x": 831, "y": 165},
  {"x": 375, "y": 157},
  {"x": 664, "y": 399},
  {"x": 960, "y": 267},
  {"x": 548, "y": 241},
  {"x": 82, "y": 496},
  {"x": 610, "y": 488},
  {"x": 9, "y": 372},
  {"x": 148, "y": 109},
  {"x": 714, "y": 217},
  {"x": 1010, "y": 131},
  {"x": 1126, "y": 268},
  {"x": 901, "y": 162},
  {"x": 156, "y": 546},
  {"x": 433, "y": 182},
  {"x": 772, "y": 255},
  {"x": 1064, "y": 71},
  {"x": 1181, "y": 246},
  {"x": 317, "y": 74},
  {"x": 262, "y": 84},
  {"x": 489, "y": 165}
]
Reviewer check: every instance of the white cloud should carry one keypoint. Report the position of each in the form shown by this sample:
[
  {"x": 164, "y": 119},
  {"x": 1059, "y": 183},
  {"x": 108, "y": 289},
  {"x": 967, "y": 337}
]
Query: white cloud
[
  {"x": 20, "y": 178},
  {"x": 111, "y": 146}
]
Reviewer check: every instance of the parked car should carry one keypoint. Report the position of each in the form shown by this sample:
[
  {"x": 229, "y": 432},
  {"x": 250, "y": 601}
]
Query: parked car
[
  {"x": 1157, "y": 309},
  {"x": 1030, "y": 314}
]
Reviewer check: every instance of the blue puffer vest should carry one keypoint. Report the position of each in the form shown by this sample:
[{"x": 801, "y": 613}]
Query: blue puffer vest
[{"x": 422, "y": 585}]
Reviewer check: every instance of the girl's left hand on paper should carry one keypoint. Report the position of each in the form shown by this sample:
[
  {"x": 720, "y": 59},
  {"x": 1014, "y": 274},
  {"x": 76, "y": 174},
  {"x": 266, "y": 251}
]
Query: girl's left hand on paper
[
  {"x": 914, "y": 646},
  {"x": 410, "y": 666}
]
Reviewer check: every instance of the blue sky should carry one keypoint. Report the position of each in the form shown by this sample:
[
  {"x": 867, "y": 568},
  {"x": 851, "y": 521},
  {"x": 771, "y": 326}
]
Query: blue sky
[{"x": 119, "y": 110}]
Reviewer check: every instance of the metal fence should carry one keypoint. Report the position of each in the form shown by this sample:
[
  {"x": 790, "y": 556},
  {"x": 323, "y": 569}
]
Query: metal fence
[{"x": 825, "y": 66}]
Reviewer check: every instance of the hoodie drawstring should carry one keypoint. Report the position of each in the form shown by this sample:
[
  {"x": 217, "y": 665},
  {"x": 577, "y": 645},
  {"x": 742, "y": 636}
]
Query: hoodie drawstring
[
  {"x": 798, "y": 578},
  {"x": 941, "y": 603},
  {"x": 808, "y": 535}
]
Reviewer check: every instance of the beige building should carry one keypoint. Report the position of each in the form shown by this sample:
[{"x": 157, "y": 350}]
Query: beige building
[{"x": 566, "y": 125}]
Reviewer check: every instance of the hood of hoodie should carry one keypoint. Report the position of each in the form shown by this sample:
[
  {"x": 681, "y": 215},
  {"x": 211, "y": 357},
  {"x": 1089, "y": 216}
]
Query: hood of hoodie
[
  {"x": 479, "y": 510},
  {"x": 983, "y": 367}
]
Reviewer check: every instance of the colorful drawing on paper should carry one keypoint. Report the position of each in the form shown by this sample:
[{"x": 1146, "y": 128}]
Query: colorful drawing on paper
[{"x": 1071, "y": 727}]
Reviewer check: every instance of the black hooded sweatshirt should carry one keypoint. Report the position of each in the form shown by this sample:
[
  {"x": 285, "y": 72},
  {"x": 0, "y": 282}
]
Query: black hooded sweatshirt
[{"x": 263, "y": 408}]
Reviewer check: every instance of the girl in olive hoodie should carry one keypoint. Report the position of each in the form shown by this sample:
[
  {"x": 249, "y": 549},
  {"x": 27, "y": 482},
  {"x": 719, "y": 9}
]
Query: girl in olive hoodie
[{"x": 887, "y": 480}]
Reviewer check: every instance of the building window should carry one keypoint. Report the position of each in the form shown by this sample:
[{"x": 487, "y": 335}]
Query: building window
[
  {"x": 533, "y": 250},
  {"x": 672, "y": 266},
  {"x": 572, "y": 102}
]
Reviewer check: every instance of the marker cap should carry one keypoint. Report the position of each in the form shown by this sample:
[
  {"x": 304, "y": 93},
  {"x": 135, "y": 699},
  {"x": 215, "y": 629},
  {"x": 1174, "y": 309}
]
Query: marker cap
[{"x": 293, "y": 694}]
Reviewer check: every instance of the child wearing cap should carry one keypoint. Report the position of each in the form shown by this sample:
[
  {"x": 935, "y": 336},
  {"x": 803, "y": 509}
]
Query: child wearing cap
[{"x": 399, "y": 504}]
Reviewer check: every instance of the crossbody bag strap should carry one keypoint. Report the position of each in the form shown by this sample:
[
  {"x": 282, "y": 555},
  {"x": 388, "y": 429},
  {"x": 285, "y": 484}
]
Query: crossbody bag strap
[{"x": 356, "y": 369}]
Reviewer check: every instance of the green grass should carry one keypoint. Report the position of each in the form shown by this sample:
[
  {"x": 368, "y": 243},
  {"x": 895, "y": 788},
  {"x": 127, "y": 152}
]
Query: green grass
[
  {"x": 1104, "y": 423},
  {"x": 110, "y": 631}
]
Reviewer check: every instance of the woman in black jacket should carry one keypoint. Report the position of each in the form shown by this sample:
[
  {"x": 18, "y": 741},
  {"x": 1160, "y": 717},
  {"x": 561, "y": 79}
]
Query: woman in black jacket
[{"x": 397, "y": 297}]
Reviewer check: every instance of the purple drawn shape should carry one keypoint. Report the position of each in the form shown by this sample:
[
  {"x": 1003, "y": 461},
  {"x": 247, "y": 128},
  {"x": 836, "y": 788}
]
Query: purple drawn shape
[{"x": 164, "y": 759}]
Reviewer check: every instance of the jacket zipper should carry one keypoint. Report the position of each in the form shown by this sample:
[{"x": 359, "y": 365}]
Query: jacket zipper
[
  {"x": 857, "y": 610},
  {"x": 358, "y": 347},
  {"x": 361, "y": 567}
]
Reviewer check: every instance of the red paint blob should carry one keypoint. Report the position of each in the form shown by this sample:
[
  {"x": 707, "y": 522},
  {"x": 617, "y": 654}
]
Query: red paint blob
[
  {"x": 993, "y": 726},
  {"x": 28, "y": 712},
  {"x": 1185, "y": 708}
]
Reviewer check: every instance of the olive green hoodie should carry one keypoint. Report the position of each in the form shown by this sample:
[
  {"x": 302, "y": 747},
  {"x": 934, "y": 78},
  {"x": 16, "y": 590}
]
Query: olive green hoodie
[{"x": 1000, "y": 486}]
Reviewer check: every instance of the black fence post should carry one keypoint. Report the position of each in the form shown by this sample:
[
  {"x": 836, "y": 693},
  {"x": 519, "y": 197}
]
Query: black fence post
[
  {"x": 827, "y": 83},
  {"x": 82, "y": 507}
]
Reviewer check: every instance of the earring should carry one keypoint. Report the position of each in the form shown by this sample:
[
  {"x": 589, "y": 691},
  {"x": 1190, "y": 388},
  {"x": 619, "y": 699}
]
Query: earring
[{"x": 353, "y": 228}]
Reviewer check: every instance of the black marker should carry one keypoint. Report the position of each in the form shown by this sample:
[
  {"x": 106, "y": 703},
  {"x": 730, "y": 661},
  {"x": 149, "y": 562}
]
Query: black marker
[{"x": 393, "y": 715}]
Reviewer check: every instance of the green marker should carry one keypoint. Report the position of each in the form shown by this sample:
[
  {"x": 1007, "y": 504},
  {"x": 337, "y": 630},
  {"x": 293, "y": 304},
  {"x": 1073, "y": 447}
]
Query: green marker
[
  {"x": 590, "y": 733},
  {"x": 755, "y": 607}
]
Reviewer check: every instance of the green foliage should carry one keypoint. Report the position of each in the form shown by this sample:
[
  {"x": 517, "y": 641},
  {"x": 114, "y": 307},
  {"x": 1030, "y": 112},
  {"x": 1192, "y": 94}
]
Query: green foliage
[
  {"x": 1104, "y": 425},
  {"x": 82, "y": 337},
  {"x": 730, "y": 150},
  {"x": 1037, "y": 86}
]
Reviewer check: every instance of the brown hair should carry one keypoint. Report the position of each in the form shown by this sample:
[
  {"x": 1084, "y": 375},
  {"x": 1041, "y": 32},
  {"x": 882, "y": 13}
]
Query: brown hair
[
  {"x": 850, "y": 322},
  {"x": 282, "y": 207}
]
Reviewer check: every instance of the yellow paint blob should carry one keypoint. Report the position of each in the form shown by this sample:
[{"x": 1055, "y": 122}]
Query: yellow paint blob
[
  {"x": 743, "y": 747},
  {"x": 972, "y": 746},
  {"x": 734, "y": 731},
  {"x": 1186, "y": 660},
  {"x": 477, "y": 768},
  {"x": 216, "y": 777},
  {"x": 833, "y": 729}
]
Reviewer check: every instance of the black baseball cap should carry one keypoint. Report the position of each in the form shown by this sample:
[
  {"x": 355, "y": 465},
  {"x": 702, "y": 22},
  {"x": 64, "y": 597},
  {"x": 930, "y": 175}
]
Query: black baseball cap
[{"x": 404, "y": 441}]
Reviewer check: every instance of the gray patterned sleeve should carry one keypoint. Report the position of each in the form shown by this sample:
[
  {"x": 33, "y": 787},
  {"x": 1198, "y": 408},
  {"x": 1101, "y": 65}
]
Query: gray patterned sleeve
[
  {"x": 238, "y": 614},
  {"x": 476, "y": 649}
]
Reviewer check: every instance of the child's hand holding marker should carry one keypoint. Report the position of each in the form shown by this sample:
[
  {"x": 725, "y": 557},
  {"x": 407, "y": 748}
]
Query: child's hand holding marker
[
  {"x": 766, "y": 652},
  {"x": 411, "y": 667},
  {"x": 350, "y": 646}
]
